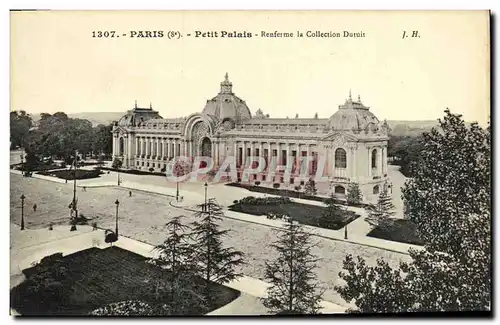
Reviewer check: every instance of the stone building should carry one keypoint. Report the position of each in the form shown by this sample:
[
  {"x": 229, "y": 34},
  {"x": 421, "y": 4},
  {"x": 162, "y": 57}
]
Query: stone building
[{"x": 352, "y": 142}]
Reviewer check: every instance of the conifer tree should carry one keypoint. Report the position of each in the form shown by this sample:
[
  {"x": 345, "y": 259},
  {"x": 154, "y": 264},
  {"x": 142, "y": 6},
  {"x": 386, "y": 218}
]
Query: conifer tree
[
  {"x": 294, "y": 288},
  {"x": 216, "y": 263},
  {"x": 332, "y": 214},
  {"x": 380, "y": 215},
  {"x": 175, "y": 257},
  {"x": 354, "y": 195},
  {"x": 310, "y": 187}
]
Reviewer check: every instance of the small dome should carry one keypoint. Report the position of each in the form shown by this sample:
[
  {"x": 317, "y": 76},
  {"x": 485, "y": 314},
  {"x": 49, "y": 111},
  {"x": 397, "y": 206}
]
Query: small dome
[
  {"x": 226, "y": 105},
  {"x": 138, "y": 115},
  {"x": 353, "y": 115}
]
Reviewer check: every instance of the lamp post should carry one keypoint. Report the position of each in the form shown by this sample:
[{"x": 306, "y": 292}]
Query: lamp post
[
  {"x": 118, "y": 178},
  {"x": 205, "y": 205},
  {"x": 345, "y": 228},
  {"x": 22, "y": 159},
  {"x": 177, "y": 193},
  {"x": 116, "y": 229},
  {"x": 22, "y": 211},
  {"x": 74, "y": 186}
]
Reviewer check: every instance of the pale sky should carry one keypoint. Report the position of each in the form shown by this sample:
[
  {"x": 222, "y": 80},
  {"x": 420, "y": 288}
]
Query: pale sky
[{"x": 56, "y": 65}]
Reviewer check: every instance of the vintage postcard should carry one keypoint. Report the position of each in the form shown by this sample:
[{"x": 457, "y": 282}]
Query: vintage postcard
[{"x": 250, "y": 163}]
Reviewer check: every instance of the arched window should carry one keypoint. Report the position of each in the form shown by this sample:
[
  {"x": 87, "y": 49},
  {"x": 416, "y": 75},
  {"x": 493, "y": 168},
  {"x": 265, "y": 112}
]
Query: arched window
[
  {"x": 376, "y": 189},
  {"x": 374, "y": 158},
  {"x": 121, "y": 147},
  {"x": 339, "y": 190},
  {"x": 340, "y": 158}
]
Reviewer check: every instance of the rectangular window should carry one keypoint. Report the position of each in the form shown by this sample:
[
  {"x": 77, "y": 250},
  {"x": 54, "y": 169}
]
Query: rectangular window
[
  {"x": 240, "y": 156},
  {"x": 283, "y": 157},
  {"x": 257, "y": 152},
  {"x": 263, "y": 178}
]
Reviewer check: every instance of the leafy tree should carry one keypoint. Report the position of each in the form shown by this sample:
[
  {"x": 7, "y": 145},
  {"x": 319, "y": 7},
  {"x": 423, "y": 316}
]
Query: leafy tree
[
  {"x": 381, "y": 214},
  {"x": 117, "y": 163},
  {"x": 310, "y": 187},
  {"x": 20, "y": 124},
  {"x": 175, "y": 257},
  {"x": 405, "y": 150},
  {"x": 449, "y": 201},
  {"x": 102, "y": 139},
  {"x": 354, "y": 195},
  {"x": 216, "y": 262},
  {"x": 294, "y": 288}
]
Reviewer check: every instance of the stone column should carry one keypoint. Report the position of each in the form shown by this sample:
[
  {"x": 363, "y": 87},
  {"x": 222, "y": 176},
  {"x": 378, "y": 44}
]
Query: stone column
[
  {"x": 369, "y": 162},
  {"x": 380, "y": 153},
  {"x": 236, "y": 151},
  {"x": 309, "y": 165},
  {"x": 244, "y": 154}
]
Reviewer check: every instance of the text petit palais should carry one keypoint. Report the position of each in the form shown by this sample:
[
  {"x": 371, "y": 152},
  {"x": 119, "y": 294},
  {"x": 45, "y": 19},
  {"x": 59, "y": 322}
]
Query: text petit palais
[{"x": 277, "y": 34}]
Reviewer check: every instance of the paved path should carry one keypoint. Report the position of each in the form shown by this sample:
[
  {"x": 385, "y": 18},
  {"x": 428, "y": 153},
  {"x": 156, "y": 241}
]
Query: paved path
[
  {"x": 32, "y": 245},
  {"x": 225, "y": 195}
]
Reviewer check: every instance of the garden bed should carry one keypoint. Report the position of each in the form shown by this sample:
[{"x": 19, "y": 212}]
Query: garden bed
[
  {"x": 71, "y": 174},
  {"x": 401, "y": 230},
  {"x": 291, "y": 193},
  {"x": 41, "y": 167},
  {"x": 305, "y": 214},
  {"x": 97, "y": 278},
  {"x": 134, "y": 171}
]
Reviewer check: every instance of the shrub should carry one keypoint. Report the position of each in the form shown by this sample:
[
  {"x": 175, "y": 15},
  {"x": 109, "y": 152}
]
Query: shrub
[
  {"x": 257, "y": 183},
  {"x": 297, "y": 187},
  {"x": 117, "y": 163},
  {"x": 51, "y": 226},
  {"x": 151, "y": 169},
  {"x": 63, "y": 164},
  {"x": 164, "y": 169},
  {"x": 73, "y": 228},
  {"x": 127, "y": 308},
  {"x": 276, "y": 185},
  {"x": 236, "y": 202}
]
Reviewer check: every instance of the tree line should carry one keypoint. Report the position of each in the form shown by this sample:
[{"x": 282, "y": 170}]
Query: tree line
[{"x": 58, "y": 136}]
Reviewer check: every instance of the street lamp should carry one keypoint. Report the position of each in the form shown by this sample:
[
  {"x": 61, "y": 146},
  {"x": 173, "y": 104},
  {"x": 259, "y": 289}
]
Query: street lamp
[
  {"x": 118, "y": 178},
  {"x": 116, "y": 229},
  {"x": 74, "y": 186},
  {"x": 206, "y": 186},
  {"x": 22, "y": 211},
  {"x": 177, "y": 194}
]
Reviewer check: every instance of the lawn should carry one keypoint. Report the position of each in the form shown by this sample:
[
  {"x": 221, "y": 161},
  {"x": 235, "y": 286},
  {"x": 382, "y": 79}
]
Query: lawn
[
  {"x": 288, "y": 193},
  {"x": 98, "y": 277},
  {"x": 303, "y": 213},
  {"x": 401, "y": 230}
]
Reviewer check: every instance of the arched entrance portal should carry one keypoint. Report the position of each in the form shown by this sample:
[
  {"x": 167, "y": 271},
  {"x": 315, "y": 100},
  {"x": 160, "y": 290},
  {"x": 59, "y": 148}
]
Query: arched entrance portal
[{"x": 205, "y": 150}]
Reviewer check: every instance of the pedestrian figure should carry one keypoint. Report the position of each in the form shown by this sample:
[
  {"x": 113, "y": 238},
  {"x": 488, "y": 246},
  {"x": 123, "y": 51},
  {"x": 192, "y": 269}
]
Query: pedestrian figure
[
  {"x": 34, "y": 207},
  {"x": 85, "y": 189},
  {"x": 129, "y": 193}
]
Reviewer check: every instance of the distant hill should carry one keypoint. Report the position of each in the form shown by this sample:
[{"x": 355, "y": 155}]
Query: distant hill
[
  {"x": 399, "y": 128},
  {"x": 411, "y": 128}
]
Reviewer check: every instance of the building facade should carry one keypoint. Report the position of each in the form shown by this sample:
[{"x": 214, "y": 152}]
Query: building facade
[{"x": 350, "y": 146}]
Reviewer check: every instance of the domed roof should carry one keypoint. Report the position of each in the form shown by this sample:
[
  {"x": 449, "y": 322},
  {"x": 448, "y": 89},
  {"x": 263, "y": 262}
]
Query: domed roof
[
  {"x": 138, "y": 115},
  {"x": 227, "y": 105},
  {"x": 353, "y": 115}
]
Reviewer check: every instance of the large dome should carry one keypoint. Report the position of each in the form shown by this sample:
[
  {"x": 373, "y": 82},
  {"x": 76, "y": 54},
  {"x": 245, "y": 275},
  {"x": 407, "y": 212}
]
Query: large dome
[
  {"x": 353, "y": 115},
  {"x": 226, "y": 105}
]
